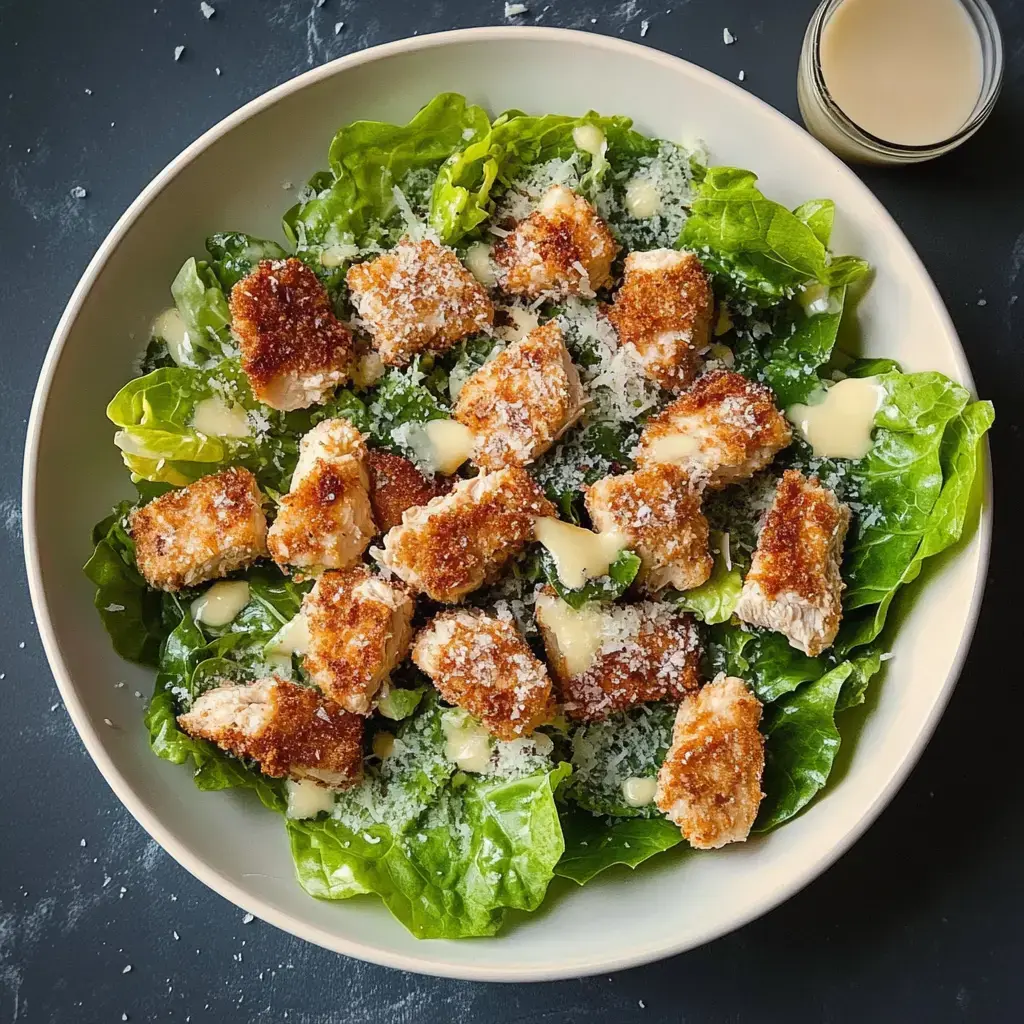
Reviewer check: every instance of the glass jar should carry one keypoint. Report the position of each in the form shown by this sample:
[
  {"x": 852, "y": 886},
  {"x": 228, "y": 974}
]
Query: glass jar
[{"x": 827, "y": 122}]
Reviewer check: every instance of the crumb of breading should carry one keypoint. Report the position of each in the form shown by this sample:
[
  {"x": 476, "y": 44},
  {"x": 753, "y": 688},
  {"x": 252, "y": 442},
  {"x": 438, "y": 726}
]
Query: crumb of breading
[
  {"x": 463, "y": 539},
  {"x": 325, "y": 521},
  {"x": 360, "y": 627},
  {"x": 290, "y": 730},
  {"x": 519, "y": 403},
  {"x": 657, "y": 511},
  {"x": 563, "y": 248},
  {"x": 200, "y": 532},
  {"x": 635, "y": 653},
  {"x": 418, "y": 298},
  {"x": 295, "y": 351},
  {"x": 723, "y": 429},
  {"x": 663, "y": 312},
  {"x": 794, "y": 586},
  {"x": 710, "y": 782},
  {"x": 396, "y": 485},
  {"x": 483, "y": 664}
]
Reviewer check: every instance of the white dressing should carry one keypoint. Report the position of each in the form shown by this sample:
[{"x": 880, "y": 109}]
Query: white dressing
[
  {"x": 839, "y": 426},
  {"x": 579, "y": 554},
  {"x": 219, "y": 604},
  {"x": 383, "y": 744},
  {"x": 639, "y": 792},
  {"x": 467, "y": 742},
  {"x": 439, "y": 446},
  {"x": 306, "y": 799},
  {"x": 170, "y": 326},
  {"x": 335, "y": 255},
  {"x": 671, "y": 448},
  {"x": 478, "y": 263},
  {"x": 523, "y": 321},
  {"x": 589, "y": 138},
  {"x": 577, "y": 632},
  {"x": 291, "y": 638},
  {"x": 215, "y": 418},
  {"x": 367, "y": 370},
  {"x": 642, "y": 199}
]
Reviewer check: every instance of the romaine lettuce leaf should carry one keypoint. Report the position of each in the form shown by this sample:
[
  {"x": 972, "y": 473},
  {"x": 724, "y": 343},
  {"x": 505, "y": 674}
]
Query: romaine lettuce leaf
[
  {"x": 609, "y": 587},
  {"x": 801, "y": 742},
  {"x": 593, "y": 845},
  {"x": 487, "y": 846},
  {"x": 183, "y": 650},
  {"x": 759, "y": 248},
  {"x": 130, "y": 611},
  {"x": 470, "y": 180},
  {"x": 234, "y": 255},
  {"x": 204, "y": 310},
  {"x": 764, "y": 659},
  {"x": 714, "y": 600},
  {"x": 369, "y": 159}
]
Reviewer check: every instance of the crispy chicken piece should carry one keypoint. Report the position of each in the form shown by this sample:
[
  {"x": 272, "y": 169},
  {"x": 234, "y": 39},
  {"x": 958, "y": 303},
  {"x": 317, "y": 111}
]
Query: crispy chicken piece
[
  {"x": 710, "y": 783},
  {"x": 563, "y": 248},
  {"x": 610, "y": 657},
  {"x": 200, "y": 532},
  {"x": 723, "y": 429},
  {"x": 794, "y": 586},
  {"x": 290, "y": 730},
  {"x": 396, "y": 485},
  {"x": 360, "y": 628},
  {"x": 522, "y": 401},
  {"x": 657, "y": 512},
  {"x": 462, "y": 540},
  {"x": 663, "y": 312},
  {"x": 483, "y": 664},
  {"x": 325, "y": 521},
  {"x": 418, "y": 298},
  {"x": 295, "y": 351}
]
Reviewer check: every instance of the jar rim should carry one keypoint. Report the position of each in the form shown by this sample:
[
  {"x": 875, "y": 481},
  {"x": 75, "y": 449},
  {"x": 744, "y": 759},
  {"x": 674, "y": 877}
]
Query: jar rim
[{"x": 984, "y": 21}]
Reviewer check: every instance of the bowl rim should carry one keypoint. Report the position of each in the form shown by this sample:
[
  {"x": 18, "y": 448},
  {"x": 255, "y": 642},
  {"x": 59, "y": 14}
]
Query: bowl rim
[{"x": 434, "y": 963}]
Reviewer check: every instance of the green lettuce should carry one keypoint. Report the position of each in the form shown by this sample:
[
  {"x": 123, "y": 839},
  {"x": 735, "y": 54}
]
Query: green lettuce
[
  {"x": 764, "y": 659},
  {"x": 911, "y": 492},
  {"x": 203, "y": 306},
  {"x": 471, "y": 179},
  {"x": 757, "y": 246},
  {"x": 158, "y": 441},
  {"x": 714, "y": 600},
  {"x": 368, "y": 160},
  {"x": 593, "y": 844},
  {"x": 184, "y": 649},
  {"x": 609, "y": 587},
  {"x": 234, "y": 255},
  {"x": 129, "y": 610}
]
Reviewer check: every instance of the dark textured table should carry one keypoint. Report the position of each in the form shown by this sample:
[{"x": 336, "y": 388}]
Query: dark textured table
[{"x": 920, "y": 921}]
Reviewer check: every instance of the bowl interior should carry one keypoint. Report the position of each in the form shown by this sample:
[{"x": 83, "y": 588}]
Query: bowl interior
[{"x": 233, "y": 179}]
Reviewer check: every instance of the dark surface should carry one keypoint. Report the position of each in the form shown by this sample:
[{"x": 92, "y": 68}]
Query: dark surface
[{"x": 920, "y": 921}]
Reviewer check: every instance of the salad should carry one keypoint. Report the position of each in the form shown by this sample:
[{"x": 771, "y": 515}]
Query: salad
[{"x": 517, "y": 514}]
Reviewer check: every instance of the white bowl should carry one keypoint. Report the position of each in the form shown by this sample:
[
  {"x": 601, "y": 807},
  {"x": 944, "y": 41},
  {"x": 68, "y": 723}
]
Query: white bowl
[{"x": 231, "y": 179}]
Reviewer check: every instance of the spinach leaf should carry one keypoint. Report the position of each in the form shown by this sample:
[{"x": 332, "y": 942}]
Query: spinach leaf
[
  {"x": 234, "y": 255},
  {"x": 130, "y": 611},
  {"x": 593, "y": 845}
]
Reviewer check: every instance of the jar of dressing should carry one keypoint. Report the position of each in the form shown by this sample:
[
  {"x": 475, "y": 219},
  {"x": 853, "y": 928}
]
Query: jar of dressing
[{"x": 898, "y": 81}]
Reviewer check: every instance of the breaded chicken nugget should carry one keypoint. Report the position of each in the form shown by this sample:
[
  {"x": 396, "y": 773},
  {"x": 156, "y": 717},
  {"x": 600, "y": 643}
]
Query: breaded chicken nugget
[
  {"x": 794, "y": 586},
  {"x": 483, "y": 664},
  {"x": 462, "y": 540},
  {"x": 610, "y": 657},
  {"x": 710, "y": 783},
  {"x": 205, "y": 530},
  {"x": 295, "y": 351},
  {"x": 723, "y": 429},
  {"x": 396, "y": 485},
  {"x": 360, "y": 627},
  {"x": 519, "y": 403},
  {"x": 563, "y": 248},
  {"x": 418, "y": 298},
  {"x": 288, "y": 729},
  {"x": 657, "y": 512},
  {"x": 663, "y": 312}
]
